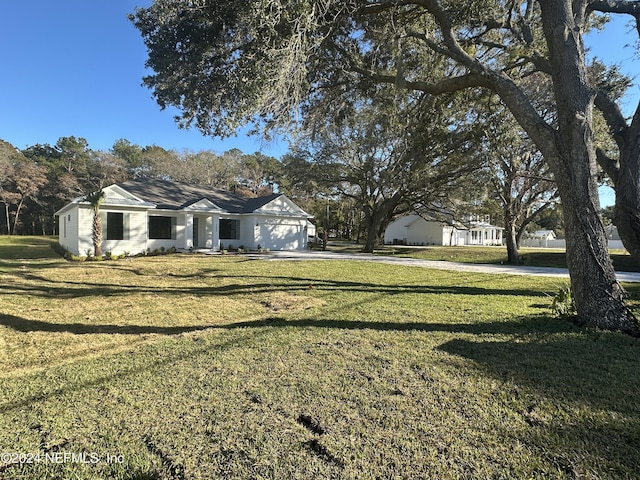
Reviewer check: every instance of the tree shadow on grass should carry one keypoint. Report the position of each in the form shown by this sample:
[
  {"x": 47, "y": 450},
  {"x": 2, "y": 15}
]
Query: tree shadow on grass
[
  {"x": 19, "y": 267},
  {"x": 26, "y": 325},
  {"x": 519, "y": 326},
  {"x": 541, "y": 324},
  {"x": 524, "y": 326},
  {"x": 47, "y": 288},
  {"x": 586, "y": 366},
  {"x": 593, "y": 374},
  {"x": 551, "y": 357},
  {"x": 545, "y": 353}
]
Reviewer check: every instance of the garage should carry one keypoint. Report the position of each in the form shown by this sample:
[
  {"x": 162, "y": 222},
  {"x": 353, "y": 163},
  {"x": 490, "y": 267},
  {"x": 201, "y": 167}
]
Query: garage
[{"x": 283, "y": 235}]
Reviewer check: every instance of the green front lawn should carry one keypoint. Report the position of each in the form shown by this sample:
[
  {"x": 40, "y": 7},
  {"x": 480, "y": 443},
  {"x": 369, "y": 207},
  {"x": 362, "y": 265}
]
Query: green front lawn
[
  {"x": 199, "y": 367},
  {"x": 18, "y": 247},
  {"x": 535, "y": 257}
]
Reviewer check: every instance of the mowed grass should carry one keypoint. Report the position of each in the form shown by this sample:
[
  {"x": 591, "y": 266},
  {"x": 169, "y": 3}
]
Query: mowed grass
[
  {"x": 201, "y": 367},
  {"x": 535, "y": 257}
]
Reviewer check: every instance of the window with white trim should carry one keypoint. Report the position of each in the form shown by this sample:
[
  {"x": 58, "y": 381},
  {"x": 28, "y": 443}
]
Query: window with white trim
[
  {"x": 162, "y": 228},
  {"x": 229, "y": 229}
]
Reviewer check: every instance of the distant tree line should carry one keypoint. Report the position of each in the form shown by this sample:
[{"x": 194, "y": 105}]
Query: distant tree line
[
  {"x": 39, "y": 180},
  {"x": 353, "y": 179}
]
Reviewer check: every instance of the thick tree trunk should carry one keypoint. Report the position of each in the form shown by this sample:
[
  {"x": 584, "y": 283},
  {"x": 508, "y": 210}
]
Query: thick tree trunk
[
  {"x": 371, "y": 242},
  {"x": 511, "y": 240},
  {"x": 377, "y": 215},
  {"x": 372, "y": 222},
  {"x": 598, "y": 296},
  {"x": 627, "y": 184},
  {"x": 377, "y": 239}
]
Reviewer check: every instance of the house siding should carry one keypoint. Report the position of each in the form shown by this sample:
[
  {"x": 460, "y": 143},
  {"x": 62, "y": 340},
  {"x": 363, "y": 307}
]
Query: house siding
[
  {"x": 256, "y": 220},
  {"x": 276, "y": 206},
  {"x": 79, "y": 231},
  {"x": 68, "y": 230},
  {"x": 396, "y": 231},
  {"x": 85, "y": 231},
  {"x": 415, "y": 230},
  {"x": 249, "y": 233},
  {"x": 422, "y": 232},
  {"x": 135, "y": 236}
]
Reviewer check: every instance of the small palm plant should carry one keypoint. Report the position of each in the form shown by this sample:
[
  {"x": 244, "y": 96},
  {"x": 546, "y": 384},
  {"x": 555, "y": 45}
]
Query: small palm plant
[
  {"x": 95, "y": 200},
  {"x": 563, "y": 305}
]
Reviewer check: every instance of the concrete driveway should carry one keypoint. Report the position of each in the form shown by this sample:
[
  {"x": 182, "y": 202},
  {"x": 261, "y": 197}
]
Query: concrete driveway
[{"x": 633, "y": 277}]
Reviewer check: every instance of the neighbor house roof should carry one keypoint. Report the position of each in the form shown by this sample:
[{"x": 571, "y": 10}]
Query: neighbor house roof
[
  {"x": 413, "y": 218},
  {"x": 169, "y": 195},
  {"x": 151, "y": 193},
  {"x": 543, "y": 234}
]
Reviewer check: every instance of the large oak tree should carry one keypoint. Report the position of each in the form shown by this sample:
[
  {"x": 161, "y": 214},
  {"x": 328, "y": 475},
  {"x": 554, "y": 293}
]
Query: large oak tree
[
  {"x": 270, "y": 62},
  {"x": 519, "y": 179},
  {"x": 389, "y": 162}
]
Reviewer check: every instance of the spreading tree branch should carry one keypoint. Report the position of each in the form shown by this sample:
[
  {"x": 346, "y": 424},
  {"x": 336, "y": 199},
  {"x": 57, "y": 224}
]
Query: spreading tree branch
[{"x": 609, "y": 165}]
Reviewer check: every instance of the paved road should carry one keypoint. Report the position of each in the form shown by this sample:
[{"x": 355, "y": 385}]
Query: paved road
[{"x": 440, "y": 265}]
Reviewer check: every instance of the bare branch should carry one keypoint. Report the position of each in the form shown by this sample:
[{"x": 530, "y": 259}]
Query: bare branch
[
  {"x": 615, "y": 6},
  {"x": 609, "y": 165},
  {"x": 612, "y": 115}
]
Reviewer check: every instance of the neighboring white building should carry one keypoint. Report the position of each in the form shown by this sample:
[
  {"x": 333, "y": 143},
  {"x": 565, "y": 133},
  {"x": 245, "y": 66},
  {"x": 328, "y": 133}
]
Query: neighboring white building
[
  {"x": 547, "y": 239},
  {"x": 150, "y": 214},
  {"x": 615, "y": 243},
  {"x": 612, "y": 232},
  {"x": 540, "y": 238},
  {"x": 416, "y": 230}
]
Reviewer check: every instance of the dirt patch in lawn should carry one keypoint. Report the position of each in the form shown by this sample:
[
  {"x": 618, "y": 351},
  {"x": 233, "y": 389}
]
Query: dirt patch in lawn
[{"x": 283, "y": 301}]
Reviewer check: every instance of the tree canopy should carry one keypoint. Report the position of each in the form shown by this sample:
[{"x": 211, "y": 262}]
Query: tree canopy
[
  {"x": 41, "y": 179},
  {"x": 277, "y": 63}
]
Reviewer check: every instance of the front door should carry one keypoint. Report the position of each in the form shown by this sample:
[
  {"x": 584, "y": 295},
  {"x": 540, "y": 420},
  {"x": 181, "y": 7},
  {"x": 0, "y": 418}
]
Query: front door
[{"x": 195, "y": 232}]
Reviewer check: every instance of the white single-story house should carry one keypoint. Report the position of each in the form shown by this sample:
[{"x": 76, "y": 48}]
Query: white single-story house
[
  {"x": 148, "y": 214},
  {"x": 416, "y": 230}
]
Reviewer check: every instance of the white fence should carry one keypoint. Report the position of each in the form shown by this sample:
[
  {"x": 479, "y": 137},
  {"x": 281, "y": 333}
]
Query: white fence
[{"x": 561, "y": 243}]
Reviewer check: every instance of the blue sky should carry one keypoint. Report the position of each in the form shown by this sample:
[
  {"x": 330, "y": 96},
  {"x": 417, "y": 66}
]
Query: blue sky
[
  {"x": 616, "y": 44},
  {"x": 75, "y": 67}
]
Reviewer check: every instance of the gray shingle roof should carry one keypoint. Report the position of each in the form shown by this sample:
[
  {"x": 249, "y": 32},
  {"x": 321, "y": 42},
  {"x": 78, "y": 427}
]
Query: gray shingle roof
[{"x": 177, "y": 195}]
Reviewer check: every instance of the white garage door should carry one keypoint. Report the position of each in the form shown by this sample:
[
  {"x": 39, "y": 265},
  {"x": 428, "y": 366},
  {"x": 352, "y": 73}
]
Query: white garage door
[{"x": 280, "y": 237}]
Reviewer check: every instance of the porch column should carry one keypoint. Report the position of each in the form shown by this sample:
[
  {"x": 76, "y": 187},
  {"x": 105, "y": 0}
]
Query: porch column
[
  {"x": 303, "y": 238},
  {"x": 215, "y": 233},
  {"x": 188, "y": 231}
]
